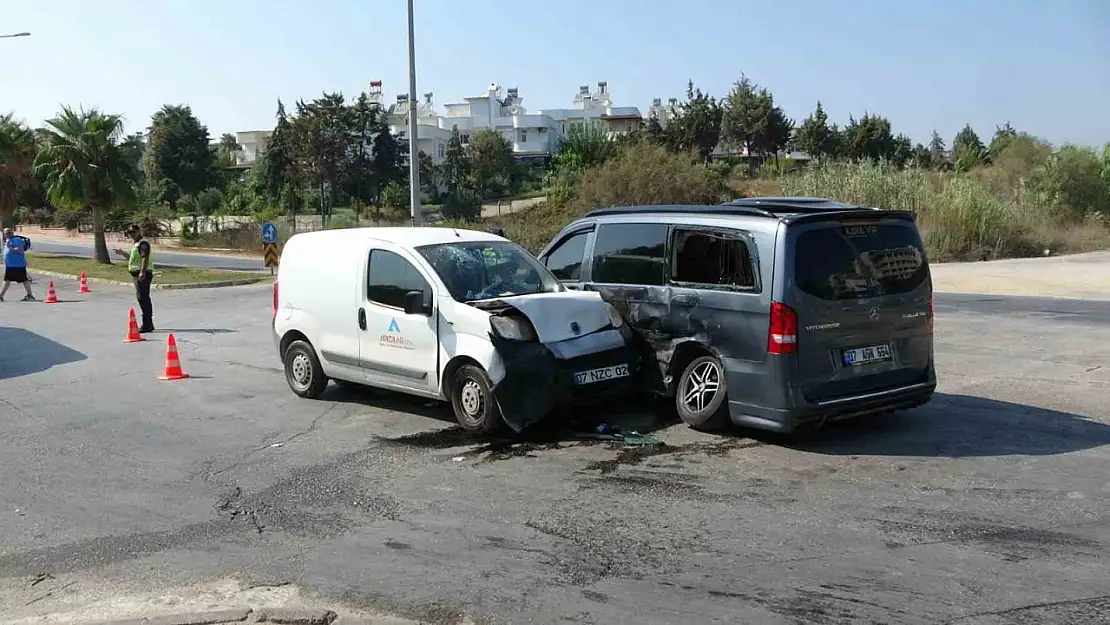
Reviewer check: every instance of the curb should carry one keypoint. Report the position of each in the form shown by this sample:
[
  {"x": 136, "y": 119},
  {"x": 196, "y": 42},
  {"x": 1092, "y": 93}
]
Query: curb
[
  {"x": 158, "y": 287},
  {"x": 279, "y": 616}
]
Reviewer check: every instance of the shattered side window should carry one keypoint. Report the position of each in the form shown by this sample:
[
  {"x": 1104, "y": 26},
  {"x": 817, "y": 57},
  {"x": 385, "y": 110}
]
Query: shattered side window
[
  {"x": 712, "y": 258},
  {"x": 479, "y": 270},
  {"x": 630, "y": 254}
]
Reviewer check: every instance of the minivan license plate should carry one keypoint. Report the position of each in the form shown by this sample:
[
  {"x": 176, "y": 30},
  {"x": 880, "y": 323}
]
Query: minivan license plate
[
  {"x": 864, "y": 355},
  {"x": 600, "y": 375}
]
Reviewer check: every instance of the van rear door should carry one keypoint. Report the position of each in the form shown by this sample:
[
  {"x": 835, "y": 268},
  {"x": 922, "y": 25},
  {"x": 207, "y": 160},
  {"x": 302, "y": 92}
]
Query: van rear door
[{"x": 861, "y": 289}]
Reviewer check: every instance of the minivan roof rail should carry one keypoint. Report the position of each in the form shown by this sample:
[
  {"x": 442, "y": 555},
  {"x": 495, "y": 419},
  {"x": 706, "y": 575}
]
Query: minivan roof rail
[
  {"x": 778, "y": 205},
  {"x": 750, "y": 206}
]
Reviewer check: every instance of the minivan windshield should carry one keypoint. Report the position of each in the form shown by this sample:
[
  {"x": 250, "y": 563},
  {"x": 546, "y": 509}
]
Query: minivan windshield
[
  {"x": 477, "y": 270},
  {"x": 858, "y": 260}
]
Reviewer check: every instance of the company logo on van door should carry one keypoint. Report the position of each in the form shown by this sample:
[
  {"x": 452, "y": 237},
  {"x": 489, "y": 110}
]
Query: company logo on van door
[{"x": 392, "y": 337}]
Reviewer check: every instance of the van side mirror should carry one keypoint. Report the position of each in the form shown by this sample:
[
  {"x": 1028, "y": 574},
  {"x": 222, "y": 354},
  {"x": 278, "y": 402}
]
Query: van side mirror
[{"x": 414, "y": 303}]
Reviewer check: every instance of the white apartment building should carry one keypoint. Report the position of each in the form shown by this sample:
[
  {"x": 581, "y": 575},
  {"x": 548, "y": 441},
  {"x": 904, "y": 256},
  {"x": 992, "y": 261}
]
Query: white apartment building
[
  {"x": 532, "y": 136},
  {"x": 252, "y": 144}
]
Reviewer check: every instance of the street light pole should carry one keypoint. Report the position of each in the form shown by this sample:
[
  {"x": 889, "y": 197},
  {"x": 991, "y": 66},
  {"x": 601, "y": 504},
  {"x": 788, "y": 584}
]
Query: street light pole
[
  {"x": 15, "y": 35},
  {"x": 414, "y": 151}
]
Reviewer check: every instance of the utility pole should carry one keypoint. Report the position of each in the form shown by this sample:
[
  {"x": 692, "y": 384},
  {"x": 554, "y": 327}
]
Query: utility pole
[{"x": 414, "y": 151}]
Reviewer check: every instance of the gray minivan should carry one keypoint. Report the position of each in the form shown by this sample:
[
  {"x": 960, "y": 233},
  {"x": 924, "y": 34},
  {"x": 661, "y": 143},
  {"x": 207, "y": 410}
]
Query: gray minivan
[{"x": 773, "y": 313}]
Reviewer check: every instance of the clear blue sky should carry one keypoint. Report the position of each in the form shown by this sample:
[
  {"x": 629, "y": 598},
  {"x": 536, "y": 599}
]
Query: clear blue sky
[{"x": 925, "y": 64}]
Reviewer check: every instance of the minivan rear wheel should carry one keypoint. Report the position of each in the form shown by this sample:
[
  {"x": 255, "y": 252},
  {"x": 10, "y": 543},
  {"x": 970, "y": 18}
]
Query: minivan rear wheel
[
  {"x": 472, "y": 398},
  {"x": 303, "y": 372},
  {"x": 700, "y": 394}
]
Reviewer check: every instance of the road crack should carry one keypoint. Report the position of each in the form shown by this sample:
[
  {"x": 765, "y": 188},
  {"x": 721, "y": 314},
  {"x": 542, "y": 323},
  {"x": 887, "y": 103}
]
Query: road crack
[{"x": 208, "y": 473}]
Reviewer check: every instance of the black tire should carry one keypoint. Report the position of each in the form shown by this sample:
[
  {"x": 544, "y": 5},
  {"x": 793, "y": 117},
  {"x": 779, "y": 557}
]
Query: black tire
[
  {"x": 700, "y": 397},
  {"x": 476, "y": 409},
  {"x": 303, "y": 372}
]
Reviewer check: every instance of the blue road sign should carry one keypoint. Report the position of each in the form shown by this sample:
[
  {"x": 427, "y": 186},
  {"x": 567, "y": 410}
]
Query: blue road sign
[{"x": 269, "y": 233}]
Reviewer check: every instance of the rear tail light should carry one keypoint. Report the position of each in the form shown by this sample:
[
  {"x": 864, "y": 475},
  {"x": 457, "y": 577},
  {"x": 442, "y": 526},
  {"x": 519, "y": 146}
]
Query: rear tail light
[
  {"x": 783, "y": 338},
  {"x": 929, "y": 314},
  {"x": 275, "y": 298}
]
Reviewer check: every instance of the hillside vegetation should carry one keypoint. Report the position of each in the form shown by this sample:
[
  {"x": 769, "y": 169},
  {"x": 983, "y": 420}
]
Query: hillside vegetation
[{"x": 1016, "y": 207}]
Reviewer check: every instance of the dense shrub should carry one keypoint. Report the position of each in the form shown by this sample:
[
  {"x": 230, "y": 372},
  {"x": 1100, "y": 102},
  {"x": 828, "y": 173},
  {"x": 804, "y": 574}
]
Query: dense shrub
[{"x": 641, "y": 174}]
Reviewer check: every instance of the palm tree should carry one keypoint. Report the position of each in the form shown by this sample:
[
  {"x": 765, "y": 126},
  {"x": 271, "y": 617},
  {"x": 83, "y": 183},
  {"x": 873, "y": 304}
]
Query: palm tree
[
  {"x": 17, "y": 152},
  {"x": 229, "y": 147},
  {"x": 85, "y": 161}
]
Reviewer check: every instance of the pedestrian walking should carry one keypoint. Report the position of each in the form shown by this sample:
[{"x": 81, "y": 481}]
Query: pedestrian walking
[
  {"x": 140, "y": 265},
  {"x": 15, "y": 265}
]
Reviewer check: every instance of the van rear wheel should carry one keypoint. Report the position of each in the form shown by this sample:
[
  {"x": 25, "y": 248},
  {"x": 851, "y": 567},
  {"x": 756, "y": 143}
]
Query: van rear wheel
[
  {"x": 303, "y": 372},
  {"x": 472, "y": 398},
  {"x": 701, "y": 394}
]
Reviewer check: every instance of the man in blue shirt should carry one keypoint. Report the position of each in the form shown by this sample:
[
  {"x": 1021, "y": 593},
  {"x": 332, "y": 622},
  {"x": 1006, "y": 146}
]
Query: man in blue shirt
[{"x": 15, "y": 265}]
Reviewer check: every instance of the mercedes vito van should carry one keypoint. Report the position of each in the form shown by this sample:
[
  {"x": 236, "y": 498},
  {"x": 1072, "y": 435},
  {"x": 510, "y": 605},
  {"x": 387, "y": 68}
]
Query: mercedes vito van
[
  {"x": 463, "y": 316},
  {"x": 773, "y": 313}
]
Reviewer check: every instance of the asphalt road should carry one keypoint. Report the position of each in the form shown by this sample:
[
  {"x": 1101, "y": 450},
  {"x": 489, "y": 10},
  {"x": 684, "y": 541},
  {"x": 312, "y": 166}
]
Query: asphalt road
[
  {"x": 987, "y": 506},
  {"x": 162, "y": 256}
]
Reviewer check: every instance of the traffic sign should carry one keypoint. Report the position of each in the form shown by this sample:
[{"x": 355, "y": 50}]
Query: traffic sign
[
  {"x": 269, "y": 232},
  {"x": 270, "y": 254}
]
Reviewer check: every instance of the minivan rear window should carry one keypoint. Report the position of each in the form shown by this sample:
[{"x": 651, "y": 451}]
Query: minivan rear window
[{"x": 857, "y": 260}]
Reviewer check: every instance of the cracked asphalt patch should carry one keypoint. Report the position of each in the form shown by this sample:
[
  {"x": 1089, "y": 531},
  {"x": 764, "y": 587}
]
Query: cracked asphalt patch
[{"x": 987, "y": 506}]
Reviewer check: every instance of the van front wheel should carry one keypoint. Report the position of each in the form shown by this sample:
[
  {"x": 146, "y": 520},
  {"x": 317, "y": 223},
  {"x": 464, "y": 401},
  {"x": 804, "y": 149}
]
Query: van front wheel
[
  {"x": 476, "y": 410},
  {"x": 303, "y": 372},
  {"x": 701, "y": 394}
]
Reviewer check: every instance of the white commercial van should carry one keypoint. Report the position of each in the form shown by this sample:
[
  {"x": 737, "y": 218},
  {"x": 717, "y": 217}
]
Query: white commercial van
[{"x": 463, "y": 316}]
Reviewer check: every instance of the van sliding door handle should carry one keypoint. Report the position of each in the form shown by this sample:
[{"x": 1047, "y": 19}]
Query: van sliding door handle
[
  {"x": 361, "y": 318},
  {"x": 684, "y": 300}
]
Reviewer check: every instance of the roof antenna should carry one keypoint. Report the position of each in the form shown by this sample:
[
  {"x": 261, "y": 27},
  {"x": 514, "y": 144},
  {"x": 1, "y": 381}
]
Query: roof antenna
[{"x": 455, "y": 230}]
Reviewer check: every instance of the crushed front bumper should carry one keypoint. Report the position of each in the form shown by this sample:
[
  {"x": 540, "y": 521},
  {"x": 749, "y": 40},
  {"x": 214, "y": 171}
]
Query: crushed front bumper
[{"x": 539, "y": 376}]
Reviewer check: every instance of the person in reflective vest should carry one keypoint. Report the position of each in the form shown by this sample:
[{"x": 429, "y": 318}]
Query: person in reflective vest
[{"x": 140, "y": 265}]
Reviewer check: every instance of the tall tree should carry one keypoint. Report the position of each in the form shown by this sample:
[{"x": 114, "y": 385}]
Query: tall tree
[
  {"x": 968, "y": 150},
  {"x": 813, "y": 136},
  {"x": 180, "y": 160},
  {"x": 1003, "y": 137},
  {"x": 390, "y": 156},
  {"x": 17, "y": 154},
  {"x": 902, "y": 153},
  {"x": 869, "y": 138},
  {"x": 938, "y": 152},
  {"x": 654, "y": 130},
  {"x": 455, "y": 169},
  {"x": 324, "y": 138},
  {"x": 281, "y": 174},
  {"x": 85, "y": 162},
  {"x": 492, "y": 164},
  {"x": 359, "y": 181},
  {"x": 696, "y": 125},
  {"x": 751, "y": 119}
]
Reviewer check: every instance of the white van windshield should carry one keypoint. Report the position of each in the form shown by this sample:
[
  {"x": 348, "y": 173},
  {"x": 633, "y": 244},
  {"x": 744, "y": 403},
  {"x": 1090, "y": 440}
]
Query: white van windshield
[{"x": 477, "y": 270}]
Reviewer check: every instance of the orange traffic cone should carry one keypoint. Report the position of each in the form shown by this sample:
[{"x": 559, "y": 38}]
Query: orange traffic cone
[
  {"x": 84, "y": 286},
  {"x": 51, "y": 296},
  {"x": 173, "y": 362},
  {"x": 133, "y": 335}
]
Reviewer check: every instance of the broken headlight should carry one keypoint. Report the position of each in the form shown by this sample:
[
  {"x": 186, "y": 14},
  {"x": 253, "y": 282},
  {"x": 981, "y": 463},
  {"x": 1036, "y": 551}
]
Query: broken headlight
[
  {"x": 614, "y": 316},
  {"x": 512, "y": 328}
]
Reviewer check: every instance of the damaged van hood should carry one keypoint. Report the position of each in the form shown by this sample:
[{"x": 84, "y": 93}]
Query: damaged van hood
[{"x": 557, "y": 316}]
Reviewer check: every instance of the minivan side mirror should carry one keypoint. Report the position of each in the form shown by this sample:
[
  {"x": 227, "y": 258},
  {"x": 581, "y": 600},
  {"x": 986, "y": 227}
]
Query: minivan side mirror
[{"x": 414, "y": 303}]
